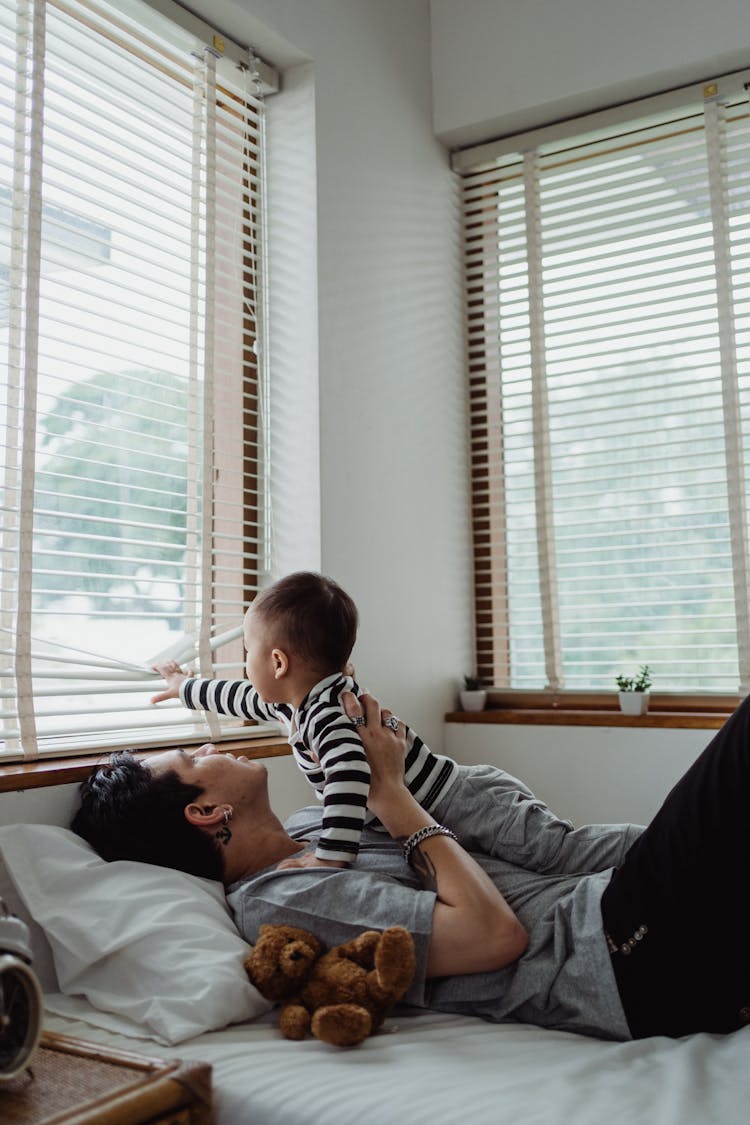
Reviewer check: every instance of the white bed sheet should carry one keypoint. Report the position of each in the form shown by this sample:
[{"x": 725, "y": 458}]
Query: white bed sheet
[{"x": 435, "y": 1069}]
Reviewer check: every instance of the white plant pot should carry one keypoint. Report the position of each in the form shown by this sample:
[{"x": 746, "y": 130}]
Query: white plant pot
[
  {"x": 473, "y": 700},
  {"x": 633, "y": 702}
]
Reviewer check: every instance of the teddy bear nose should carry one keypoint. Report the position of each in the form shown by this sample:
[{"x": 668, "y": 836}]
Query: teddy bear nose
[{"x": 295, "y": 955}]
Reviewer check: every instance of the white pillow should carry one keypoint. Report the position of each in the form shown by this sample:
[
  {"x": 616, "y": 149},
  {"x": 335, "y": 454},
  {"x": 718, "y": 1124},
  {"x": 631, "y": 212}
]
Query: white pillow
[{"x": 155, "y": 951}]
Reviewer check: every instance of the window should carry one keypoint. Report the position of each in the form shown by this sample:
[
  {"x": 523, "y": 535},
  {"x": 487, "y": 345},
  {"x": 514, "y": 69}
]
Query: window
[
  {"x": 131, "y": 377},
  {"x": 608, "y": 305}
]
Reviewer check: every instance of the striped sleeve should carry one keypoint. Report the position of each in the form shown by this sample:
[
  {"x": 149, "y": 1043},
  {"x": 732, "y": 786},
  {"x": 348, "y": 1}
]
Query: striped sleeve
[
  {"x": 227, "y": 697},
  {"x": 338, "y": 748},
  {"x": 428, "y": 776}
]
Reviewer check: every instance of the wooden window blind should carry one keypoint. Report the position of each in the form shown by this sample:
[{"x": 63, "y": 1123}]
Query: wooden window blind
[
  {"x": 131, "y": 313},
  {"x": 608, "y": 312}
]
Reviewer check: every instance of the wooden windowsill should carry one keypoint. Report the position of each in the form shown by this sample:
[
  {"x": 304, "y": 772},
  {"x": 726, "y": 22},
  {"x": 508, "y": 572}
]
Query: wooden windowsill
[
  {"x": 61, "y": 771},
  {"x": 588, "y": 717},
  {"x": 599, "y": 709}
]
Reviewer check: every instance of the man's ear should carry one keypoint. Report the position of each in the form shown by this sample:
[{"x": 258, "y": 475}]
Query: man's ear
[
  {"x": 280, "y": 663},
  {"x": 207, "y": 816}
]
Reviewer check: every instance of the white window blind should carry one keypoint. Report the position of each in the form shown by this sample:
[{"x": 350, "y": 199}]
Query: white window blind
[
  {"x": 608, "y": 303},
  {"x": 131, "y": 310}
]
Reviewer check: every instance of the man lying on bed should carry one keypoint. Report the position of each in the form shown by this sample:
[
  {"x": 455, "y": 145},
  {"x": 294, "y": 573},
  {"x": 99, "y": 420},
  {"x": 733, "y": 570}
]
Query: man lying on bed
[{"x": 605, "y": 930}]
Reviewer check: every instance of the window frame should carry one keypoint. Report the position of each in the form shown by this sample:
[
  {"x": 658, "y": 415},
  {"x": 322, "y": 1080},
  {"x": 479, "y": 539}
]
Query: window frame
[
  {"x": 223, "y": 53},
  {"x": 551, "y": 703}
]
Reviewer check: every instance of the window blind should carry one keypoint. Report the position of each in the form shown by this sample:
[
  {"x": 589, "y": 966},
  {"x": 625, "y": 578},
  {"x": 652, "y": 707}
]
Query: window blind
[
  {"x": 131, "y": 308},
  {"x": 608, "y": 309}
]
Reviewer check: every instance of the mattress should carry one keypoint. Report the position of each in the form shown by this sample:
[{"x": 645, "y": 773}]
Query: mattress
[{"x": 429, "y": 1068}]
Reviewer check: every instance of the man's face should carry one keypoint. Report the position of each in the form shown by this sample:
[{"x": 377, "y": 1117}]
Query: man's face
[{"x": 222, "y": 777}]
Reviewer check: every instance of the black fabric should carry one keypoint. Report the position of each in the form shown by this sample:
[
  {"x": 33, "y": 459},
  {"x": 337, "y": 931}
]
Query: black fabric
[{"x": 687, "y": 878}]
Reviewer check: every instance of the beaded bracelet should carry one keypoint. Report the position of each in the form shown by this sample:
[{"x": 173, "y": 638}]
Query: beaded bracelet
[{"x": 422, "y": 834}]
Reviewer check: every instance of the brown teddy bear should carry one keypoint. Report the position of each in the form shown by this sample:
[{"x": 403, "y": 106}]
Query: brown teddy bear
[{"x": 342, "y": 996}]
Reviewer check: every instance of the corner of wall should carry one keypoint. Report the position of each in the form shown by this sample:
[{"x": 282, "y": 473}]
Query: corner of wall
[{"x": 293, "y": 323}]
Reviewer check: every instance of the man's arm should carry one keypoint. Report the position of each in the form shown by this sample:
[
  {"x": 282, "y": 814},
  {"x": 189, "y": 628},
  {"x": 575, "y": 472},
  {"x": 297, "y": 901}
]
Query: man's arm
[{"x": 473, "y": 930}]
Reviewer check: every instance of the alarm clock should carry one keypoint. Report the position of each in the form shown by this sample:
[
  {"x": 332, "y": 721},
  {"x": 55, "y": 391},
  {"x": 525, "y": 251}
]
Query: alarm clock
[{"x": 20, "y": 998}]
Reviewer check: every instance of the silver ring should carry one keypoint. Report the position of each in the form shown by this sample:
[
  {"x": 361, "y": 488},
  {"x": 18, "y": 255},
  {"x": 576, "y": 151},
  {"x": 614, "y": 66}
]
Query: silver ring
[
  {"x": 391, "y": 722},
  {"x": 359, "y": 721}
]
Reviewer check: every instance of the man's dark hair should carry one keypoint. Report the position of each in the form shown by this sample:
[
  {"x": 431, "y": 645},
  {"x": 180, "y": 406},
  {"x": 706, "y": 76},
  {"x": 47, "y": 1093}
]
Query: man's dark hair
[
  {"x": 317, "y": 618},
  {"x": 127, "y": 812}
]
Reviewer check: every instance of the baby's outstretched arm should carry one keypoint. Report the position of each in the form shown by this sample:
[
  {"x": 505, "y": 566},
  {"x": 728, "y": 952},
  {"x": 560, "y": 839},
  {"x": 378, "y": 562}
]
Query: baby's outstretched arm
[{"x": 174, "y": 676}]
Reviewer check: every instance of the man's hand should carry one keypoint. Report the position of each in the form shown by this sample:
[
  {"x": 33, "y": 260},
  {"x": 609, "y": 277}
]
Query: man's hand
[
  {"x": 473, "y": 928},
  {"x": 174, "y": 677},
  {"x": 309, "y": 860},
  {"x": 385, "y": 750}
]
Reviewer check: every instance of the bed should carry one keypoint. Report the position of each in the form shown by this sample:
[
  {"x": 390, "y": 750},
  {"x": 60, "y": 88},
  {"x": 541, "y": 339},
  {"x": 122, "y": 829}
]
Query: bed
[
  {"x": 148, "y": 959},
  {"x": 431, "y": 1069}
]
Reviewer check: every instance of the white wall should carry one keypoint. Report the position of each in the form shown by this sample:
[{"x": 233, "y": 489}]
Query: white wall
[
  {"x": 588, "y": 774},
  {"x": 500, "y": 66},
  {"x": 393, "y": 525}
]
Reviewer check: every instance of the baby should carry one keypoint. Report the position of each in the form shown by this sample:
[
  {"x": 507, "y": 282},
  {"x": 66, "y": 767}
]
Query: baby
[{"x": 299, "y": 635}]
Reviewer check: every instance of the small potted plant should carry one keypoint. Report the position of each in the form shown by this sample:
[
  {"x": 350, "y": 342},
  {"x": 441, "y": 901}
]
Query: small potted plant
[
  {"x": 634, "y": 691},
  {"x": 473, "y": 695}
]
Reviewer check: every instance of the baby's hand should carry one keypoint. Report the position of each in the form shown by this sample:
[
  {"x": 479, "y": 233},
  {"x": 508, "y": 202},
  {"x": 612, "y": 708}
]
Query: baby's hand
[
  {"x": 310, "y": 860},
  {"x": 174, "y": 676}
]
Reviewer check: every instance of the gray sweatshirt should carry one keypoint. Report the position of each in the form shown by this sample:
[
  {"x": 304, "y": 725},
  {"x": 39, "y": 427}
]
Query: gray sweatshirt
[{"x": 551, "y": 875}]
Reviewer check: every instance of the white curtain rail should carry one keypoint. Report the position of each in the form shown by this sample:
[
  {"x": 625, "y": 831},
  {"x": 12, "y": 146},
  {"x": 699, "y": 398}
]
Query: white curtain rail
[{"x": 660, "y": 107}]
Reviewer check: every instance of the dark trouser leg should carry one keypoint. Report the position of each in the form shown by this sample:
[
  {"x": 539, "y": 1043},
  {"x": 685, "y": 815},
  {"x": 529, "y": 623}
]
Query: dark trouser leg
[{"x": 688, "y": 880}]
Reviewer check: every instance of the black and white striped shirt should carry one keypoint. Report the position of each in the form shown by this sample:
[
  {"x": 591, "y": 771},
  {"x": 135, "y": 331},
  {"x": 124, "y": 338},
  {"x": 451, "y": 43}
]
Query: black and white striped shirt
[{"x": 328, "y": 750}]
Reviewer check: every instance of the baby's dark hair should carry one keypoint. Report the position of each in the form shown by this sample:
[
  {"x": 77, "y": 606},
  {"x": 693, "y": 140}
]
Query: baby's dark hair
[{"x": 312, "y": 616}]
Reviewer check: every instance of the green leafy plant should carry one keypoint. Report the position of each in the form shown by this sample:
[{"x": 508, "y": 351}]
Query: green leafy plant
[
  {"x": 473, "y": 683},
  {"x": 641, "y": 682}
]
